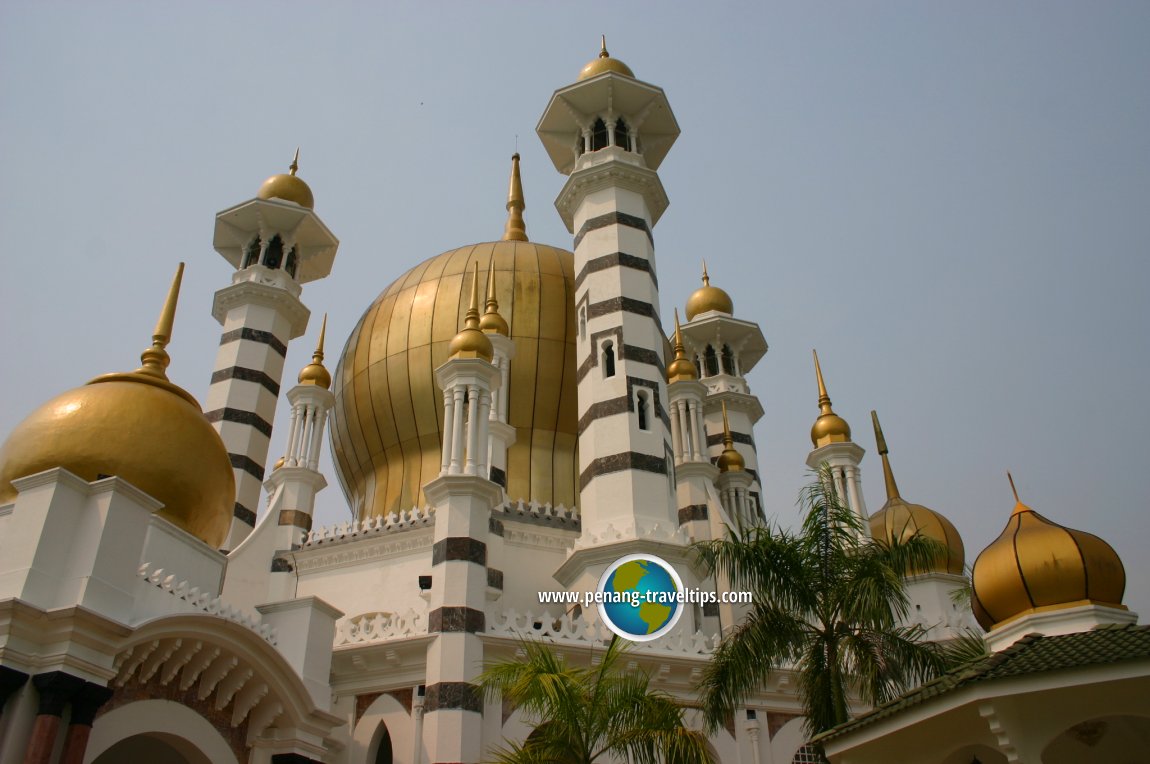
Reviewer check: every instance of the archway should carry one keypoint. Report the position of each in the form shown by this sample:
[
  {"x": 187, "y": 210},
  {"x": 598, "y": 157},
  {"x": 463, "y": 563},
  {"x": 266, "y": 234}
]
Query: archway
[
  {"x": 160, "y": 731},
  {"x": 1103, "y": 739},
  {"x": 154, "y": 748}
]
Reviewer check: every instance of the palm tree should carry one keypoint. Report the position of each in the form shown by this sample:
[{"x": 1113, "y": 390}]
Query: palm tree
[
  {"x": 583, "y": 715},
  {"x": 828, "y": 600}
]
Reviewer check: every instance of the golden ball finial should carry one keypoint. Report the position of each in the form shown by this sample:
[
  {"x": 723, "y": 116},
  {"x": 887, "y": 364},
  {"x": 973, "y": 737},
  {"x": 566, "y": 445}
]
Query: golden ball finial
[
  {"x": 288, "y": 187},
  {"x": 682, "y": 368},
  {"x": 492, "y": 322},
  {"x": 1036, "y": 564},
  {"x": 315, "y": 373},
  {"x": 730, "y": 460},
  {"x": 829, "y": 427},
  {"x": 471, "y": 342},
  {"x": 604, "y": 63},
  {"x": 708, "y": 298}
]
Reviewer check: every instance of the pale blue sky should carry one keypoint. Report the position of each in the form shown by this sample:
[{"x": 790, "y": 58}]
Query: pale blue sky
[{"x": 951, "y": 201}]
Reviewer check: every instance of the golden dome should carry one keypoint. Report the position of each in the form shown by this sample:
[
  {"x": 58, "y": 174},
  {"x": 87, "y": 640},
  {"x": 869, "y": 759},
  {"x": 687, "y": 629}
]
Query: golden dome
[
  {"x": 707, "y": 298},
  {"x": 388, "y": 415},
  {"x": 829, "y": 427},
  {"x": 730, "y": 460},
  {"x": 682, "y": 368},
  {"x": 279, "y": 463},
  {"x": 137, "y": 426},
  {"x": 604, "y": 63},
  {"x": 901, "y": 520},
  {"x": 471, "y": 342},
  {"x": 1036, "y": 564},
  {"x": 289, "y": 187},
  {"x": 315, "y": 373}
]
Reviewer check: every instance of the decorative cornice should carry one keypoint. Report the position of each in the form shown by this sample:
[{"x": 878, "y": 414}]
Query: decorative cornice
[
  {"x": 254, "y": 293},
  {"x": 610, "y": 174}
]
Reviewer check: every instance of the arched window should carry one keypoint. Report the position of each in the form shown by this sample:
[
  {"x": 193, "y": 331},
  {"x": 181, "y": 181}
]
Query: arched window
[
  {"x": 383, "y": 752},
  {"x": 711, "y": 361},
  {"x": 598, "y": 134},
  {"x": 642, "y": 408},
  {"x": 608, "y": 359},
  {"x": 292, "y": 262},
  {"x": 622, "y": 134},
  {"x": 728, "y": 360},
  {"x": 251, "y": 253},
  {"x": 274, "y": 254},
  {"x": 583, "y": 322}
]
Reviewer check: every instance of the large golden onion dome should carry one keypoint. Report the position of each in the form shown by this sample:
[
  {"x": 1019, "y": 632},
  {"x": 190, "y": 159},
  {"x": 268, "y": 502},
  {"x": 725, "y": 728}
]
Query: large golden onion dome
[
  {"x": 604, "y": 63},
  {"x": 137, "y": 426},
  {"x": 288, "y": 186},
  {"x": 1036, "y": 564},
  {"x": 900, "y": 520},
  {"x": 387, "y": 422},
  {"x": 829, "y": 427},
  {"x": 708, "y": 298},
  {"x": 315, "y": 373}
]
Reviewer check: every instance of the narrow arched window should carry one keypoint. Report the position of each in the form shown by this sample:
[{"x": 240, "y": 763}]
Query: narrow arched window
[
  {"x": 583, "y": 322},
  {"x": 292, "y": 262},
  {"x": 642, "y": 408},
  {"x": 274, "y": 254},
  {"x": 252, "y": 253},
  {"x": 711, "y": 361},
  {"x": 699, "y": 365},
  {"x": 622, "y": 134},
  {"x": 608, "y": 359},
  {"x": 728, "y": 360},
  {"x": 598, "y": 134}
]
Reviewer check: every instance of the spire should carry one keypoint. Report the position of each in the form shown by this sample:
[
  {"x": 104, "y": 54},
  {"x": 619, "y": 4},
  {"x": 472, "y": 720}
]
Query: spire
[
  {"x": 156, "y": 359},
  {"x": 682, "y": 367},
  {"x": 603, "y": 47},
  {"x": 888, "y": 475},
  {"x": 730, "y": 460},
  {"x": 516, "y": 229},
  {"x": 728, "y": 441},
  {"x": 294, "y": 168},
  {"x": 706, "y": 278},
  {"x": 824, "y": 399},
  {"x": 1018, "y": 505},
  {"x": 829, "y": 427},
  {"x": 492, "y": 322},
  {"x": 472, "y": 318},
  {"x": 315, "y": 373},
  {"x": 471, "y": 342}
]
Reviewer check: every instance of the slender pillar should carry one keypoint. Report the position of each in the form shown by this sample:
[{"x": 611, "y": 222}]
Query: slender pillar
[
  {"x": 85, "y": 704},
  {"x": 56, "y": 689}
]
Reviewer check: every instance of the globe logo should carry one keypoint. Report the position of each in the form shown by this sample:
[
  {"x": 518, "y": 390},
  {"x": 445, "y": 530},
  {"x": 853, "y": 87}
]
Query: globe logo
[{"x": 640, "y": 597}]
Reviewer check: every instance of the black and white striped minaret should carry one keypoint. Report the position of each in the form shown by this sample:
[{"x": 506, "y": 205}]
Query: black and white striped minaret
[{"x": 276, "y": 242}]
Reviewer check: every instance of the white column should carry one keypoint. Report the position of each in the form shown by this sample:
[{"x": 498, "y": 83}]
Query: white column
[
  {"x": 700, "y": 441},
  {"x": 457, "y": 432},
  {"x": 291, "y": 434},
  {"x": 319, "y": 419},
  {"x": 472, "y": 429},
  {"x": 448, "y": 431},
  {"x": 481, "y": 440},
  {"x": 676, "y": 437}
]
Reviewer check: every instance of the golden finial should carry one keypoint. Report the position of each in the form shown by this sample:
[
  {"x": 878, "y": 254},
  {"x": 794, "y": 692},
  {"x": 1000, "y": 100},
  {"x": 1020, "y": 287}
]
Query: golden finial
[
  {"x": 492, "y": 322},
  {"x": 516, "y": 228},
  {"x": 682, "y": 367},
  {"x": 1018, "y": 505},
  {"x": 603, "y": 47},
  {"x": 156, "y": 359},
  {"x": 315, "y": 373},
  {"x": 730, "y": 460},
  {"x": 829, "y": 427},
  {"x": 706, "y": 278},
  {"x": 471, "y": 342},
  {"x": 728, "y": 441},
  {"x": 294, "y": 168},
  {"x": 887, "y": 473}
]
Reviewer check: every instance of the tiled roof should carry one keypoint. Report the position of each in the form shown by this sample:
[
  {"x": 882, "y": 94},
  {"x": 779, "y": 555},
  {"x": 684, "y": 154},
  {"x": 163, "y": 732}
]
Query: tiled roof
[{"x": 1033, "y": 654}]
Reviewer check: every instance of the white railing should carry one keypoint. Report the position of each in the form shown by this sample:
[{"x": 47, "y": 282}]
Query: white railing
[{"x": 392, "y": 522}]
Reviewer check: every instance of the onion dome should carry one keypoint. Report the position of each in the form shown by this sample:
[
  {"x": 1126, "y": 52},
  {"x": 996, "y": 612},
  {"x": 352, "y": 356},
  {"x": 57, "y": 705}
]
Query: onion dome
[
  {"x": 900, "y": 520},
  {"x": 471, "y": 342},
  {"x": 604, "y": 63},
  {"x": 708, "y": 298},
  {"x": 682, "y": 368},
  {"x": 491, "y": 322},
  {"x": 829, "y": 427},
  {"x": 387, "y": 419},
  {"x": 137, "y": 426},
  {"x": 1036, "y": 564},
  {"x": 730, "y": 460},
  {"x": 288, "y": 187},
  {"x": 315, "y": 373}
]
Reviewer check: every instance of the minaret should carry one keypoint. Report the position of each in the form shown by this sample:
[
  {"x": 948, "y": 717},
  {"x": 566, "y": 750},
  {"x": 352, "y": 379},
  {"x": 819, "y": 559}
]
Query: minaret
[
  {"x": 609, "y": 132},
  {"x": 724, "y": 350},
  {"x": 462, "y": 498},
  {"x": 276, "y": 242},
  {"x": 831, "y": 437}
]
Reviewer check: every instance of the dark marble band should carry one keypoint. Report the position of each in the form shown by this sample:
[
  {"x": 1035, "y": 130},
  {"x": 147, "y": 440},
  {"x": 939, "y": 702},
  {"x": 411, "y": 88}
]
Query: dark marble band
[
  {"x": 628, "y": 460},
  {"x": 296, "y": 518},
  {"x": 693, "y": 512},
  {"x": 455, "y": 619},
  {"x": 495, "y": 578},
  {"x": 242, "y": 513},
  {"x": 247, "y": 375},
  {"x": 621, "y": 304},
  {"x": 613, "y": 218},
  {"x": 254, "y": 335},
  {"x": 248, "y": 465},
  {"x": 596, "y": 264},
  {"x": 716, "y": 438},
  {"x": 239, "y": 416},
  {"x": 447, "y": 696},
  {"x": 459, "y": 548}
]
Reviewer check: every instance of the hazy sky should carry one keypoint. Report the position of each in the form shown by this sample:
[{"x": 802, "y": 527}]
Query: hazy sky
[{"x": 951, "y": 201}]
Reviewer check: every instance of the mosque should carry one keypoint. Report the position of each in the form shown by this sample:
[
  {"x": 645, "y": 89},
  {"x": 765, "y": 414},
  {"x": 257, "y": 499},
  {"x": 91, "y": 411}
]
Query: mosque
[{"x": 506, "y": 418}]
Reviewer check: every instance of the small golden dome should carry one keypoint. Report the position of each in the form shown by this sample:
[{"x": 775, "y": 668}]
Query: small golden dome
[
  {"x": 492, "y": 322},
  {"x": 900, "y": 520},
  {"x": 730, "y": 460},
  {"x": 315, "y": 373},
  {"x": 1036, "y": 564},
  {"x": 279, "y": 463},
  {"x": 829, "y": 427},
  {"x": 288, "y": 187},
  {"x": 682, "y": 368},
  {"x": 604, "y": 63},
  {"x": 137, "y": 426},
  {"x": 471, "y": 342},
  {"x": 708, "y": 298}
]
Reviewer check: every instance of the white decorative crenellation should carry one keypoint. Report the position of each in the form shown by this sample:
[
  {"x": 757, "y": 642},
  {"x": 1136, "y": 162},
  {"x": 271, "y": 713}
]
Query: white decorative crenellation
[
  {"x": 610, "y": 534},
  {"x": 568, "y": 628},
  {"x": 379, "y": 627},
  {"x": 205, "y": 601},
  {"x": 393, "y": 522},
  {"x": 546, "y": 514}
]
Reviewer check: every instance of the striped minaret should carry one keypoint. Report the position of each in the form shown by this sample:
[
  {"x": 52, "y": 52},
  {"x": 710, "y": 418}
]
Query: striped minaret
[
  {"x": 609, "y": 132},
  {"x": 276, "y": 242},
  {"x": 462, "y": 497}
]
